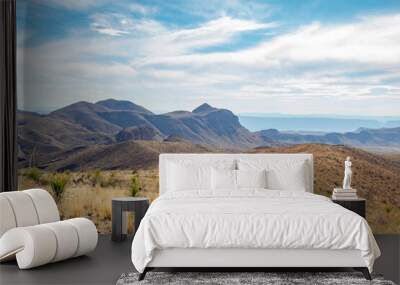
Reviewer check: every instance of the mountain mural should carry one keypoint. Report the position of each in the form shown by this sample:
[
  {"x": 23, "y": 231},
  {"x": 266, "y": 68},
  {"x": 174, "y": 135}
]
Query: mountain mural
[
  {"x": 89, "y": 130},
  {"x": 360, "y": 138},
  {"x": 124, "y": 120}
]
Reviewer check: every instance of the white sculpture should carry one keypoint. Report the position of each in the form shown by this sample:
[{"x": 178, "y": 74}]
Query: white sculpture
[{"x": 347, "y": 174}]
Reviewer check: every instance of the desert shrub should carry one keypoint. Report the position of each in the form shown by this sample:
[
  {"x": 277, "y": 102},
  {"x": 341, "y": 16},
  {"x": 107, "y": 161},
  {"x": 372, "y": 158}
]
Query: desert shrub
[
  {"x": 135, "y": 185},
  {"x": 58, "y": 182},
  {"x": 33, "y": 173},
  {"x": 110, "y": 181},
  {"x": 96, "y": 177}
]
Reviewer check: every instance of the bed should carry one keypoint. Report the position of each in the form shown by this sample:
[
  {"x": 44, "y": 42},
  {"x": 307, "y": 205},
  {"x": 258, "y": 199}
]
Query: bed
[{"x": 247, "y": 210}]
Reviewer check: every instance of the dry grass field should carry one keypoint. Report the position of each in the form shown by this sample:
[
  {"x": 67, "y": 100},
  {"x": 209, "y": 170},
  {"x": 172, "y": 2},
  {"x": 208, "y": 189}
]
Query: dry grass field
[
  {"x": 377, "y": 178},
  {"x": 89, "y": 194}
]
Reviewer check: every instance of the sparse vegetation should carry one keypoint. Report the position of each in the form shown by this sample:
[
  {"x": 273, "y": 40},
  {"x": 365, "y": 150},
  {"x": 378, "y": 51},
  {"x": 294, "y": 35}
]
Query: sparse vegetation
[
  {"x": 33, "y": 173},
  {"x": 58, "y": 183},
  {"x": 110, "y": 181},
  {"x": 135, "y": 185},
  {"x": 81, "y": 199},
  {"x": 96, "y": 177}
]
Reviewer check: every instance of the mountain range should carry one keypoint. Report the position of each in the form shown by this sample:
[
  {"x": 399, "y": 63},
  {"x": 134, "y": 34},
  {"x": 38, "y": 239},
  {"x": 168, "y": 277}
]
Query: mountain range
[
  {"x": 315, "y": 123},
  {"x": 360, "y": 138},
  {"x": 89, "y": 131}
]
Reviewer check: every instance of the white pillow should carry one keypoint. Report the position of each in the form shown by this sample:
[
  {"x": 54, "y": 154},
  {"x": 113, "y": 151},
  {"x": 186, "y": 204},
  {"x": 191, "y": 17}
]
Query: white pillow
[
  {"x": 251, "y": 178},
  {"x": 290, "y": 176},
  {"x": 188, "y": 177},
  {"x": 223, "y": 179},
  {"x": 282, "y": 174}
]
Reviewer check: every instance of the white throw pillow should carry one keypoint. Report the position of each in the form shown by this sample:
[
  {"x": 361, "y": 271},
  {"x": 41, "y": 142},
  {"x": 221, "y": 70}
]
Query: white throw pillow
[
  {"x": 183, "y": 177},
  {"x": 289, "y": 176},
  {"x": 282, "y": 174},
  {"x": 251, "y": 178},
  {"x": 223, "y": 179}
]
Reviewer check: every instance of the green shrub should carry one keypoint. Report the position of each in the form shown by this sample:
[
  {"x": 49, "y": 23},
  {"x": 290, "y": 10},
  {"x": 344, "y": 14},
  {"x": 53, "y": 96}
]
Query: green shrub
[
  {"x": 135, "y": 185},
  {"x": 58, "y": 182},
  {"x": 33, "y": 173},
  {"x": 96, "y": 177}
]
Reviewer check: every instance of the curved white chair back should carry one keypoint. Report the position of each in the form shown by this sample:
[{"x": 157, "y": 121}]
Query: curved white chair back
[
  {"x": 32, "y": 233},
  {"x": 26, "y": 208}
]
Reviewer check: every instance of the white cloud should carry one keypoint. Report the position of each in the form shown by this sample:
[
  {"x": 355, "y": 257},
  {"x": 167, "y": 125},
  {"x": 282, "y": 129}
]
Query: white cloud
[
  {"x": 142, "y": 9},
  {"x": 216, "y": 32},
  {"x": 114, "y": 24},
  {"x": 109, "y": 31},
  {"x": 211, "y": 9},
  {"x": 372, "y": 40}
]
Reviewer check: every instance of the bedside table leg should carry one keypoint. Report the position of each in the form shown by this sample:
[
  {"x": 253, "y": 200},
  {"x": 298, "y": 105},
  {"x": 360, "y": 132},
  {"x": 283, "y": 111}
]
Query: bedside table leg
[
  {"x": 116, "y": 220},
  {"x": 143, "y": 274},
  {"x": 364, "y": 271}
]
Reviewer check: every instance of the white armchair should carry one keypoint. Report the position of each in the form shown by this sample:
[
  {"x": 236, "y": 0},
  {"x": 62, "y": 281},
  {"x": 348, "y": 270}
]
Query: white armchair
[{"x": 31, "y": 230}]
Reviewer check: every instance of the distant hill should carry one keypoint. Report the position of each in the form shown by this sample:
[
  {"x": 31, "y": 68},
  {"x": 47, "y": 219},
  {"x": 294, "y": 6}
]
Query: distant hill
[
  {"x": 392, "y": 124},
  {"x": 377, "y": 179},
  {"x": 125, "y": 155},
  {"x": 360, "y": 138},
  {"x": 121, "y": 105},
  {"x": 41, "y": 135},
  {"x": 318, "y": 124},
  {"x": 141, "y": 132},
  {"x": 86, "y": 115}
]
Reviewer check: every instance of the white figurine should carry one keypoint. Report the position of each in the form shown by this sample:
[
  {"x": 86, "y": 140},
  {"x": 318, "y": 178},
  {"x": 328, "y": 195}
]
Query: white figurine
[{"x": 347, "y": 174}]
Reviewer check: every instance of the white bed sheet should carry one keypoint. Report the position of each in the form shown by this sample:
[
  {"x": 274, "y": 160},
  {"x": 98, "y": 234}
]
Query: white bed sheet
[{"x": 250, "y": 219}]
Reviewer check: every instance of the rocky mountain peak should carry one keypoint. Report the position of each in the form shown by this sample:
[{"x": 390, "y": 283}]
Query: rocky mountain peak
[
  {"x": 204, "y": 108},
  {"x": 122, "y": 105}
]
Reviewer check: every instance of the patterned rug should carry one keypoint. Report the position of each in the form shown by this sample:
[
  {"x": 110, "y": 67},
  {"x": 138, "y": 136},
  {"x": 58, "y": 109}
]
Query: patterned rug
[{"x": 269, "y": 278}]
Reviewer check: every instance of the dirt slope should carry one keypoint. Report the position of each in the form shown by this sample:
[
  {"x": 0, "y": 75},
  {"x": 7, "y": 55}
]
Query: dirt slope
[{"x": 376, "y": 178}]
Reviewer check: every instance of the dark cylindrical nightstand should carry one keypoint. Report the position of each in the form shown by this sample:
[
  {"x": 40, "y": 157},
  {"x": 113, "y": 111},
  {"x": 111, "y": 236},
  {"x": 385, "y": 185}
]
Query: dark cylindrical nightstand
[
  {"x": 357, "y": 205},
  {"x": 120, "y": 207}
]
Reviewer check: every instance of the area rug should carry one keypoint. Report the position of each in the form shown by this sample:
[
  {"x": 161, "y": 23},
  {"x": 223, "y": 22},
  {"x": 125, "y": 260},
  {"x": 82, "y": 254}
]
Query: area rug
[{"x": 269, "y": 278}]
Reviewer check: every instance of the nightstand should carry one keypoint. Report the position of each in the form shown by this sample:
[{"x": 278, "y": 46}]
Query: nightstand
[
  {"x": 357, "y": 205},
  {"x": 120, "y": 207}
]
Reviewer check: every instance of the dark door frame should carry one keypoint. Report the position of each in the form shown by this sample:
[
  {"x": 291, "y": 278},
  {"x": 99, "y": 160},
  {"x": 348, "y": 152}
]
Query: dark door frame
[{"x": 8, "y": 97}]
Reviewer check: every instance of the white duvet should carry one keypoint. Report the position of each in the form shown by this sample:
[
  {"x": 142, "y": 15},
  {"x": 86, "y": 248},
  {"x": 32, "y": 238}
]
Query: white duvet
[{"x": 250, "y": 219}]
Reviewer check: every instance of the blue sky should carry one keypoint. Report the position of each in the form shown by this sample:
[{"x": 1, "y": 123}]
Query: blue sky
[{"x": 294, "y": 57}]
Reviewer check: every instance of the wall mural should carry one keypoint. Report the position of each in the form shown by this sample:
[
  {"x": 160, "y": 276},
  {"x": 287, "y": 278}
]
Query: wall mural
[{"x": 104, "y": 87}]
